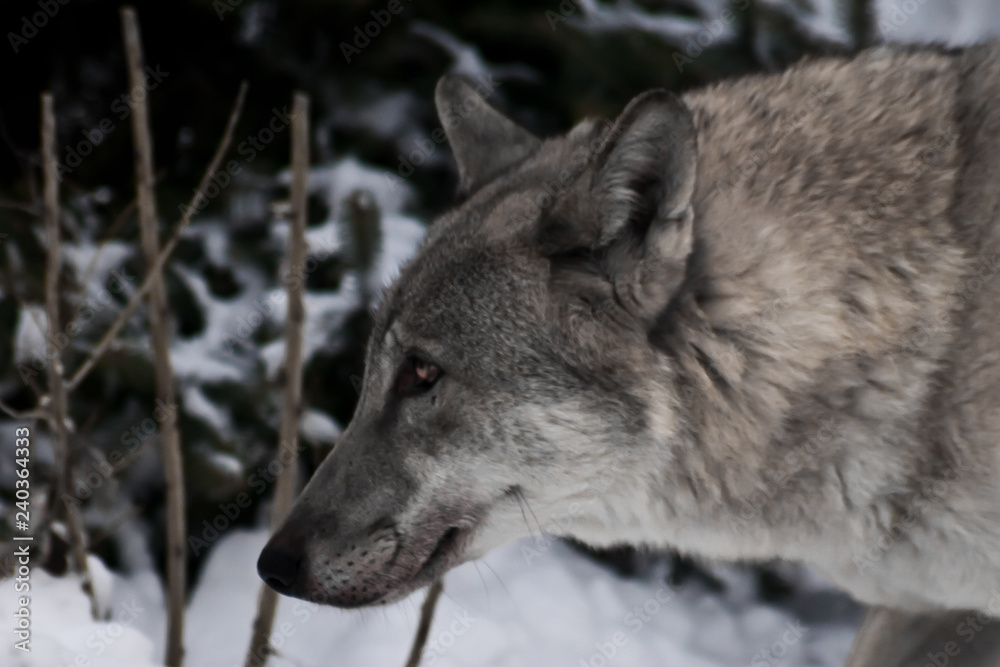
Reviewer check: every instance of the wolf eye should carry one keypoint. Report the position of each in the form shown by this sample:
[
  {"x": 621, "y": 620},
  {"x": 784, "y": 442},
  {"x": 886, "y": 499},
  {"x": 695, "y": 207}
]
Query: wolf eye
[{"x": 416, "y": 376}]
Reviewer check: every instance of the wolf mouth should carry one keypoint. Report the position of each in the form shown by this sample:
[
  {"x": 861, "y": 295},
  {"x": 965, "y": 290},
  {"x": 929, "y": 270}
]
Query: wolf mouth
[
  {"x": 447, "y": 553},
  {"x": 446, "y": 550}
]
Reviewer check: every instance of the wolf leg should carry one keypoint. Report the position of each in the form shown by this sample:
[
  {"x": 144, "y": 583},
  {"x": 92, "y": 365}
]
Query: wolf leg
[{"x": 891, "y": 638}]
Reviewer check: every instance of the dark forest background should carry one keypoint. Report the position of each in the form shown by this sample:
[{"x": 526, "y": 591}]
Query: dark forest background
[{"x": 553, "y": 69}]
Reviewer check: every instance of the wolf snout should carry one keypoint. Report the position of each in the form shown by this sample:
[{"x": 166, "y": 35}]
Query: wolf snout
[
  {"x": 314, "y": 557},
  {"x": 280, "y": 562}
]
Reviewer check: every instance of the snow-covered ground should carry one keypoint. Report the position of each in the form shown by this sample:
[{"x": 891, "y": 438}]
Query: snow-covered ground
[{"x": 528, "y": 603}]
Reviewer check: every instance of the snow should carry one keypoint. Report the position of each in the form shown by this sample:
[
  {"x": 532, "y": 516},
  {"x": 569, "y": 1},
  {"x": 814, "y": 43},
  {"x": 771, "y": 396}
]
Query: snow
[
  {"x": 467, "y": 60},
  {"x": 215, "y": 355},
  {"x": 952, "y": 22},
  {"x": 823, "y": 18},
  {"x": 29, "y": 337},
  {"x": 101, "y": 581},
  {"x": 140, "y": 584},
  {"x": 63, "y": 633},
  {"x": 400, "y": 235},
  {"x": 215, "y": 237},
  {"x": 518, "y": 606},
  {"x": 93, "y": 263},
  {"x": 226, "y": 463},
  {"x": 325, "y": 313},
  {"x": 318, "y": 427},
  {"x": 197, "y": 404},
  {"x": 601, "y": 17},
  {"x": 204, "y": 358},
  {"x": 335, "y": 181}
]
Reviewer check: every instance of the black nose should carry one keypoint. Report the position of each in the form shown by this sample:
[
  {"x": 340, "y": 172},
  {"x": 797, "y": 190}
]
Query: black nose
[{"x": 279, "y": 563}]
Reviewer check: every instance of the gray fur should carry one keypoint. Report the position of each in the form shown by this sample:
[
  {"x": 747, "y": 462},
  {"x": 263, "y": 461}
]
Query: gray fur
[
  {"x": 756, "y": 321},
  {"x": 509, "y": 143}
]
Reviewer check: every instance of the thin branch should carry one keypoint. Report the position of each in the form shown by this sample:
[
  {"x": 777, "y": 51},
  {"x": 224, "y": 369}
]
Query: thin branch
[
  {"x": 137, "y": 297},
  {"x": 112, "y": 231},
  {"x": 14, "y": 205},
  {"x": 20, "y": 415},
  {"x": 284, "y": 490},
  {"x": 57, "y": 409},
  {"x": 424, "y": 628},
  {"x": 159, "y": 325}
]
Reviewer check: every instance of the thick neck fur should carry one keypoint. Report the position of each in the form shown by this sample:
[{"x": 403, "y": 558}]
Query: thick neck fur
[{"x": 817, "y": 307}]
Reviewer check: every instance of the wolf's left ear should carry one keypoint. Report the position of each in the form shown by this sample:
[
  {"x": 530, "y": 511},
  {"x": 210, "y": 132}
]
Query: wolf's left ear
[{"x": 484, "y": 141}]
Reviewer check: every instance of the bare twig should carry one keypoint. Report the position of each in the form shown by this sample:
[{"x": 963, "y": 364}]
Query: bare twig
[
  {"x": 137, "y": 297},
  {"x": 288, "y": 444},
  {"x": 15, "y": 205},
  {"x": 159, "y": 324},
  {"x": 20, "y": 415},
  {"x": 424, "y": 628},
  {"x": 112, "y": 231},
  {"x": 57, "y": 410}
]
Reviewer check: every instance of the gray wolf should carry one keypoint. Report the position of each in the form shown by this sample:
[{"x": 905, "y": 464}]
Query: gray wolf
[{"x": 754, "y": 321}]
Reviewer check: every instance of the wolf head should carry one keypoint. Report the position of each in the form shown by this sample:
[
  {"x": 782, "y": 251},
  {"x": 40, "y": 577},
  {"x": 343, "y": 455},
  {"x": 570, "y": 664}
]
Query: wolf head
[{"x": 510, "y": 383}]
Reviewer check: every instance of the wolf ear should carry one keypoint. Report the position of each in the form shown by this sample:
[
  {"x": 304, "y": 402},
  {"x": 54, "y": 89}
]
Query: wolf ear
[
  {"x": 646, "y": 172},
  {"x": 642, "y": 190},
  {"x": 484, "y": 141},
  {"x": 634, "y": 209}
]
